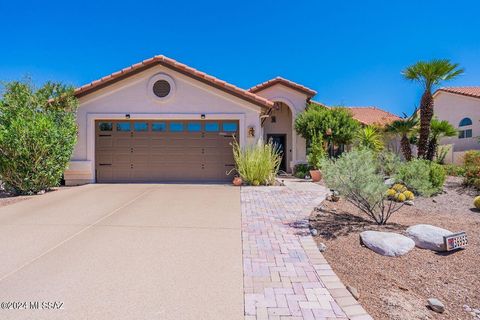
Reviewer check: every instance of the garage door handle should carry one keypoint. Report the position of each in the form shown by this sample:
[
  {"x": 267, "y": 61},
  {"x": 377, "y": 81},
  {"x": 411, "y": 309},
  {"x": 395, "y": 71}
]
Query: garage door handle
[
  {"x": 104, "y": 164},
  {"x": 104, "y": 135},
  {"x": 229, "y": 165}
]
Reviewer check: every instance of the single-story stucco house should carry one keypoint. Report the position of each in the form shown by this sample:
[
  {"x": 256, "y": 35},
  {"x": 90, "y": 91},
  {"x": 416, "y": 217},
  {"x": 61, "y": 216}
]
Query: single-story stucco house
[
  {"x": 461, "y": 107},
  {"x": 160, "y": 120}
]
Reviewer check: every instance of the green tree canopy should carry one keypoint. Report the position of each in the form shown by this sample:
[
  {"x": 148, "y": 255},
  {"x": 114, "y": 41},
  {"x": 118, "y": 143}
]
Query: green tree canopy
[
  {"x": 335, "y": 125},
  {"x": 38, "y": 132}
]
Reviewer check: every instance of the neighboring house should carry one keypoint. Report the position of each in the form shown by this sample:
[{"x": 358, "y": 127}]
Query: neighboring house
[
  {"x": 461, "y": 107},
  {"x": 160, "y": 120}
]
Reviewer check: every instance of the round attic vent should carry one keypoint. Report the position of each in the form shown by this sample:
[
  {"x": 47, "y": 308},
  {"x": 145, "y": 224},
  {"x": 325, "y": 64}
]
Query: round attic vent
[{"x": 161, "y": 88}]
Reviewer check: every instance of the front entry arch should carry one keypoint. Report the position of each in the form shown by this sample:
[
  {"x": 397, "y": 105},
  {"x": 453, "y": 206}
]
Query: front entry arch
[{"x": 279, "y": 127}]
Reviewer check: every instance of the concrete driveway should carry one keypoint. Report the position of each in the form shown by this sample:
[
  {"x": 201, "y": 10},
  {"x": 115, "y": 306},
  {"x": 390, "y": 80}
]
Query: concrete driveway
[{"x": 123, "y": 251}]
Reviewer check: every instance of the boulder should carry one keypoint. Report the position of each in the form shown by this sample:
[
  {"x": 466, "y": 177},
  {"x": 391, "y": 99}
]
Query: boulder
[
  {"x": 428, "y": 237},
  {"x": 436, "y": 305},
  {"x": 387, "y": 243},
  {"x": 322, "y": 247}
]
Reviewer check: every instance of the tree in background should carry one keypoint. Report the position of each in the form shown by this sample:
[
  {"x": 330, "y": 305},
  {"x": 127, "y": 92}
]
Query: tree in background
[
  {"x": 335, "y": 125},
  {"x": 429, "y": 74},
  {"x": 438, "y": 130},
  {"x": 38, "y": 132},
  {"x": 404, "y": 128}
]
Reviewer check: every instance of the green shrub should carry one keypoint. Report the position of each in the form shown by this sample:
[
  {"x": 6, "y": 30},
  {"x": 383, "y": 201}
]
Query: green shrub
[
  {"x": 316, "y": 153},
  {"x": 441, "y": 153},
  {"x": 422, "y": 176},
  {"x": 472, "y": 169},
  {"x": 388, "y": 163},
  {"x": 454, "y": 170},
  {"x": 471, "y": 158},
  {"x": 355, "y": 175},
  {"x": 257, "y": 164},
  {"x": 37, "y": 135},
  {"x": 335, "y": 125},
  {"x": 369, "y": 137},
  {"x": 301, "y": 170}
]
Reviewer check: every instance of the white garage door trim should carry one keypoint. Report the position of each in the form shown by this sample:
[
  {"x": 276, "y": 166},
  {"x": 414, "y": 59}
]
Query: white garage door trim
[{"x": 92, "y": 117}]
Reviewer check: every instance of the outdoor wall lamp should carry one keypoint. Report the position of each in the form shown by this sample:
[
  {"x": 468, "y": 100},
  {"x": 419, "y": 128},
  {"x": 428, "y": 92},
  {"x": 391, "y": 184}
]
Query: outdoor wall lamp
[
  {"x": 202, "y": 116},
  {"x": 251, "y": 132},
  {"x": 127, "y": 116}
]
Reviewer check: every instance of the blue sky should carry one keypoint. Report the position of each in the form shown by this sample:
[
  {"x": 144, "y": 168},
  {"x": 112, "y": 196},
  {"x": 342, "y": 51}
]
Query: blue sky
[{"x": 351, "y": 52}]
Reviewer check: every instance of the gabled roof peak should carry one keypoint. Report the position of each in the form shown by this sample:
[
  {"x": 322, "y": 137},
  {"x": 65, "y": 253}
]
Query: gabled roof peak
[
  {"x": 280, "y": 80},
  {"x": 178, "y": 67}
]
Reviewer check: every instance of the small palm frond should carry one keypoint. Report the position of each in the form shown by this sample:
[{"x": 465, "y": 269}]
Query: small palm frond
[
  {"x": 432, "y": 73},
  {"x": 442, "y": 128},
  {"x": 403, "y": 126}
]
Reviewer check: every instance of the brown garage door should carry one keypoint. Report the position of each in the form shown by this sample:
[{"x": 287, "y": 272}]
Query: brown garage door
[{"x": 164, "y": 150}]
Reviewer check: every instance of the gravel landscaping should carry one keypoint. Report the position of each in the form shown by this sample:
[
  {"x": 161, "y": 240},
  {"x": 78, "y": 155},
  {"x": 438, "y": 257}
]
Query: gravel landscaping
[{"x": 399, "y": 287}]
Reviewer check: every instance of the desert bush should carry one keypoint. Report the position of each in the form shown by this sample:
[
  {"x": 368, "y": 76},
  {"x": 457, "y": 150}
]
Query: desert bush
[
  {"x": 441, "y": 153},
  {"x": 257, "y": 164},
  {"x": 355, "y": 175},
  {"x": 471, "y": 162},
  {"x": 422, "y": 176},
  {"x": 454, "y": 170},
  {"x": 37, "y": 135},
  {"x": 388, "y": 163}
]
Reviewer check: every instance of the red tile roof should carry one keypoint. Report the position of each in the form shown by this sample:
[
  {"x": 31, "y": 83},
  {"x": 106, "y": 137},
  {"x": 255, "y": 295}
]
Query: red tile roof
[
  {"x": 279, "y": 80},
  {"x": 368, "y": 115},
  {"x": 466, "y": 91},
  {"x": 179, "y": 67},
  {"x": 373, "y": 115}
]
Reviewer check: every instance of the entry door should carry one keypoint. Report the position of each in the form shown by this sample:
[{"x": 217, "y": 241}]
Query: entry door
[{"x": 280, "y": 141}]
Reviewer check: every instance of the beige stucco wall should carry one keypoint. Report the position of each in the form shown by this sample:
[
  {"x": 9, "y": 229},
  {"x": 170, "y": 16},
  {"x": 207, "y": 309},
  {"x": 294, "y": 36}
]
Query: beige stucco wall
[
  {"x": 190, "y": 99},
  {"x": 453, "y": 108},
  {"x": 296, "y": 101}
]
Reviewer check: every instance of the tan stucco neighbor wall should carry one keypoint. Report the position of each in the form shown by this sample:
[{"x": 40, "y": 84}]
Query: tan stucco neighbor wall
[
  {"x": 296, "y": 101},
  {"x": 189, "y": 100},
  {"x": 453, "y": 108}
]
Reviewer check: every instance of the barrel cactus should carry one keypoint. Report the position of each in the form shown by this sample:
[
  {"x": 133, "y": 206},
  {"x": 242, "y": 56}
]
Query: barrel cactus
[
  {"x": 391, "y": 193},
  {"x": 409, "y": 195},
  {"x": 476, "y": 202},
  {"x": 400, "y": 197}
]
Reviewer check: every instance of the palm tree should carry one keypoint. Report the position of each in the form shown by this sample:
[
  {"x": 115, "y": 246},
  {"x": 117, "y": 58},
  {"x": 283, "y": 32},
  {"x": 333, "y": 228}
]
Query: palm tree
[
  {"x": 404, "y": 128},
  {"x": 430, "y": 74},
  {"x": 438, "y": 130},
  {"x": 369, "y": 137}
]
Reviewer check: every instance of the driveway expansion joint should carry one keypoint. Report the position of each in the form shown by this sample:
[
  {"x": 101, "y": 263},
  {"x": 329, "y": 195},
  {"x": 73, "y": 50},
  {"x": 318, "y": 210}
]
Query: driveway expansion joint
[{"x": 284, "y": 272}]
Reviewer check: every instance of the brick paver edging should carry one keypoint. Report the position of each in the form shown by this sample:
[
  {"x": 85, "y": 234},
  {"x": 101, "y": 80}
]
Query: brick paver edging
[{"x": 285, "y": 275}]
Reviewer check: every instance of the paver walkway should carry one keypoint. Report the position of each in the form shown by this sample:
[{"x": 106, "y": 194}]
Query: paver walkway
[{"x": 285, "y": 276}]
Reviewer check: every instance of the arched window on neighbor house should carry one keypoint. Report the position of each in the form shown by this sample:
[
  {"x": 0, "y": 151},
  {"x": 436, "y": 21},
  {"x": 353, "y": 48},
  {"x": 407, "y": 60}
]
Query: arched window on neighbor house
[{"x": 465, "y": 132}]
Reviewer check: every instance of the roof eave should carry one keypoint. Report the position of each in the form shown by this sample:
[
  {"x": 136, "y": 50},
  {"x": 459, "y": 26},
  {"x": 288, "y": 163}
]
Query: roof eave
[{"x": 160, "y": 60}]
